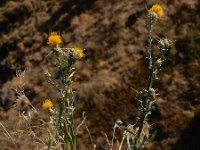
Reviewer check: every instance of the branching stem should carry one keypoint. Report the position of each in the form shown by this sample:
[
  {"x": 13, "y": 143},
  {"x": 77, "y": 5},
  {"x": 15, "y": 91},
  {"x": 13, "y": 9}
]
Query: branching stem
[{"x": 145, "y": 104}]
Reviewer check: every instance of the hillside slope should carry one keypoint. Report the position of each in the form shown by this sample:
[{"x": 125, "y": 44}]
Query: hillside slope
[{"x": 114, "y": 35}]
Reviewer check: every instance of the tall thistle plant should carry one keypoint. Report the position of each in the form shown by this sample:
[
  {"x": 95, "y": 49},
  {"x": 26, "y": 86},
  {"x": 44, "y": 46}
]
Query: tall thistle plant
[
  {"x": 137, "y": 136},
  {"x": 64, "y": 129}
]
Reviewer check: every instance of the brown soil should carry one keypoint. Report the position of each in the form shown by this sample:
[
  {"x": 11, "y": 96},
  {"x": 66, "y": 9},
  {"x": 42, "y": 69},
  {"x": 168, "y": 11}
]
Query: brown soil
[{"x": 114, "y": 35}]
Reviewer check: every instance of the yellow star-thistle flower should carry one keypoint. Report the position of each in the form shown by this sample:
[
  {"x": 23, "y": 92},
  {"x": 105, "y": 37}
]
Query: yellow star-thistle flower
[
  {"x": 47, "y": 104},
  {"x": 156, "y": 9},
  {"x": 78, "y": 52},
  {"x": 54, "y": 39}
]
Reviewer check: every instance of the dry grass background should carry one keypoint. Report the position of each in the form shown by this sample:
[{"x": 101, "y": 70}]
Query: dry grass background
[{"x": 113, "y": 32}]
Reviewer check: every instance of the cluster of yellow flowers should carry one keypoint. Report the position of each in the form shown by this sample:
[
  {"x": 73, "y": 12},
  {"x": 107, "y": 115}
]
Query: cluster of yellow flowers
[
  {"x": 157, "y": 10},
  {"x": 55, "y": 39}
]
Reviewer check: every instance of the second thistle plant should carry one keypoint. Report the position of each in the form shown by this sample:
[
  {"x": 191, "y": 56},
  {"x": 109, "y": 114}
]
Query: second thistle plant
[
  {"x": 64, "y": 128},
  {"x": 137, "y": 135}
]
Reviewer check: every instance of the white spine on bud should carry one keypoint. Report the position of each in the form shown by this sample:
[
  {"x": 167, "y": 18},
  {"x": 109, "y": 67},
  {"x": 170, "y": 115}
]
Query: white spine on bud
[
  {"x": 164, "y": 43},
  {"x": 159, "y": 62}
]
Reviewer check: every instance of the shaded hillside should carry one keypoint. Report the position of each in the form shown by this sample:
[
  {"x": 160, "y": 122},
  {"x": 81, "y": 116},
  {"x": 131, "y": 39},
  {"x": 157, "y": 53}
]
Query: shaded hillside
[{"x": 114, "y": 35}]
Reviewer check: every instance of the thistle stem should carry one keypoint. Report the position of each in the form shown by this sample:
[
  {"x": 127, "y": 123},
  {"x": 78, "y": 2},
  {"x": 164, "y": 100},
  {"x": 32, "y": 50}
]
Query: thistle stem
[
  {"x": 149, "y": 28},
  {"x": 145, "y": 101},
  {"x": 66, "y": 110}
]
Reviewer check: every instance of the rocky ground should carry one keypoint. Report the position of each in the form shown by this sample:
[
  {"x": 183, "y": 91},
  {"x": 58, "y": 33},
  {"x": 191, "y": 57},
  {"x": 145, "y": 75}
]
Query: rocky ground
[{"x": 114, "y": 35}]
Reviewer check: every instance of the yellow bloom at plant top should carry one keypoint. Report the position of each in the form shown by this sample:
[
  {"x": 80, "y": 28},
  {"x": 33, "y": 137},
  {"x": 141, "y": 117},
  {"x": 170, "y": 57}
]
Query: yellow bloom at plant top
[
  {"x": 54, "y": 39},
  {"x": 47, "y": 104},
  {"x": 156, "y": 9},
  {"x": 78, "y": 52}
]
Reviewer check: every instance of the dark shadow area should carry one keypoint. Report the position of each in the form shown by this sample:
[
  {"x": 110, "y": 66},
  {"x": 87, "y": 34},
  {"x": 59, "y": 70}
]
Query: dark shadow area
[
  {"x": 6, "y": 73},
  {"x": 2, "y": 3},
  {"x": 73, "y": 8},
  {"x": 133, "y": 18},
  {"x": 190, "y": 138},
  {"x": 18, "y": 14},
  {"x": 6, "y": 48}
]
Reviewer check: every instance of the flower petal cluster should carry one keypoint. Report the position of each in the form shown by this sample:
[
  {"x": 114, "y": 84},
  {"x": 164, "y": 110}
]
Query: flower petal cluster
[
  {"x": 47, "y": 104},
  {"x": 54, "y": 39},
  {"x": 78, "y": 52},
  {"x": 157, "y": 10}
]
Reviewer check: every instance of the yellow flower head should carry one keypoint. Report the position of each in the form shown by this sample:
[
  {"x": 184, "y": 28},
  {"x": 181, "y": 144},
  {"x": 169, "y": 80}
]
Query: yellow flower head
[
  {"x": 156, "y": 9},
  {"x": 78, "y": 52},
  {"x": 47, "y": 104},
  {"x": 54, "y": 39}
]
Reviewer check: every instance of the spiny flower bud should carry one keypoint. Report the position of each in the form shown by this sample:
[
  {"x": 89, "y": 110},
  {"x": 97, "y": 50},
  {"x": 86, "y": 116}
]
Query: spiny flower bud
[
  {"x": 164, "y": 43},
  {"x": 154, "y": 15},
  {"x": 152, "y": 93},
  {"x": 159, "y": 62}
]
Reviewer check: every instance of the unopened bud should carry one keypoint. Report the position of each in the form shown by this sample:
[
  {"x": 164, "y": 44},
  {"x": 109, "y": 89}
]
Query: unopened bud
[
  {"x": 159, "y": 62},
  {"x": 164, "y": 43},
  {"x": 152, "y": 93},
  {"x": 154, "y": 15}
]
